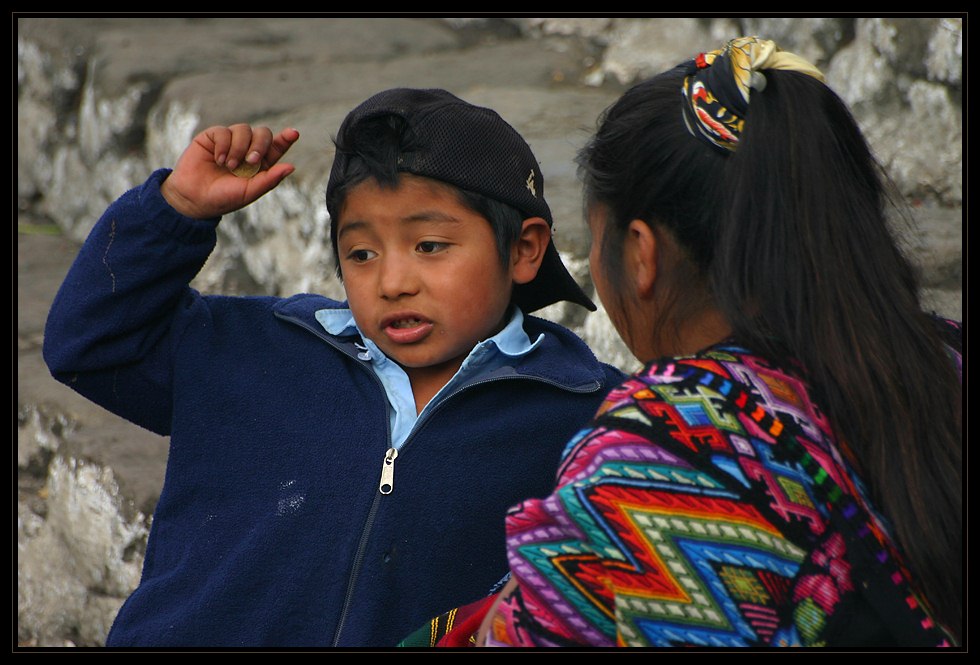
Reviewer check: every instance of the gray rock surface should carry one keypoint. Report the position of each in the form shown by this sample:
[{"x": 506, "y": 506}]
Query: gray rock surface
[{"x": 103, "y": 101}]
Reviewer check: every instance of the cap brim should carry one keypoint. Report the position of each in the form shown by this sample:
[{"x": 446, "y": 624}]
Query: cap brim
[{"x": 552, "y": 284}]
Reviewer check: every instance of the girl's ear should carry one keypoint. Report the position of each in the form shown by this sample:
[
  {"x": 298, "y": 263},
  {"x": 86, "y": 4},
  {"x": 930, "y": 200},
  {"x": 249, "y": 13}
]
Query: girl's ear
[
  {"x": 528, "y": 252},
  {"x": 641, "y": 256}
]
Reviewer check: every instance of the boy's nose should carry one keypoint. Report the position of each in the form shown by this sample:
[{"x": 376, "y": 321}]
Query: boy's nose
[{"x": 397, "y": 278}]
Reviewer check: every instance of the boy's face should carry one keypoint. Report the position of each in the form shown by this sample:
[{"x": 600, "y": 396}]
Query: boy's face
[{"x": 422, "y": 273}]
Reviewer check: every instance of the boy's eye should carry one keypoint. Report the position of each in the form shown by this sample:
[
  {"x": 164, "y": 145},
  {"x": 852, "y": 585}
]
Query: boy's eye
[
  {"x": 361, "y": 255},
  {"x": 430, "y": 246}
]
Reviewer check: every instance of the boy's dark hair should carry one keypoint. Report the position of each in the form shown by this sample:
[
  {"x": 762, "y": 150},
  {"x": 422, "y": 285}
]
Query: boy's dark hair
[{"x": 434, "y": 134}]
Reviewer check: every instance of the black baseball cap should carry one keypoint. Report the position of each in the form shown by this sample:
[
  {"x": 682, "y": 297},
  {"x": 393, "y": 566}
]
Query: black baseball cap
[{"x": 472, "y": 148}]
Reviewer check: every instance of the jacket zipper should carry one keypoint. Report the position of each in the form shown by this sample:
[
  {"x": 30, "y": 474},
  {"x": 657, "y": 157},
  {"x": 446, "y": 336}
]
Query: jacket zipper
[
  {"x": 387, "y": 467},
  {"x": 386, "y": 485},
  {"x": 387, "y": 481},
  {"x": 388, "y": 472}
]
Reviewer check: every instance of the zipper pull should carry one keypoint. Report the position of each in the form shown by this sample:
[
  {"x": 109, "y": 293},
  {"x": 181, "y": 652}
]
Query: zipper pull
[{"x": 388, "y": 471}]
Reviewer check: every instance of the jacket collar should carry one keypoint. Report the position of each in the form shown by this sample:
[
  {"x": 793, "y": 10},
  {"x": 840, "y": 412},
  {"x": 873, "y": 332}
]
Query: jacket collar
[{"x": 561, "y": 358}]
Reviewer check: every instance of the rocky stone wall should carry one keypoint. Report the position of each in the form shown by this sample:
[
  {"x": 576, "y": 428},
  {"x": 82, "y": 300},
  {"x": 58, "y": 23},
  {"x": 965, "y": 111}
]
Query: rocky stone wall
[{"x": 101, "y": 102}]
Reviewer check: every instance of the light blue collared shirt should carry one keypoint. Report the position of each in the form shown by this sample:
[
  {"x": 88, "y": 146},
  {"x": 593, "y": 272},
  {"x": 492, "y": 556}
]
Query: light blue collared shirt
[{"x": 498, "y": 351}]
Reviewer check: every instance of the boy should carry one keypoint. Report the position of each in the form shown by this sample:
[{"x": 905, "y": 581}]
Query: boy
[{"x": 338, "y": 472}]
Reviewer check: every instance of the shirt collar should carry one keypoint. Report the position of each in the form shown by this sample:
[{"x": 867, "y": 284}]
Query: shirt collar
[
  {"x": 487, "y": 356},
  {"x": 512, "y": 341}
]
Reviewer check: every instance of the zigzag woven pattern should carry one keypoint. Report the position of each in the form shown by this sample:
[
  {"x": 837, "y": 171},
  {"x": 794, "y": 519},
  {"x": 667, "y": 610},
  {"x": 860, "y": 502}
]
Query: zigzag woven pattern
[{"x": 680, "y": 520}]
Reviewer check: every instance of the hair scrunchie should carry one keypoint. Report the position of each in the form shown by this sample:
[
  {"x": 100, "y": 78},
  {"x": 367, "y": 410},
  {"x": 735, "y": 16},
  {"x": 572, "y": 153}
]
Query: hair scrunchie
[{"x": 716, "y": 90}]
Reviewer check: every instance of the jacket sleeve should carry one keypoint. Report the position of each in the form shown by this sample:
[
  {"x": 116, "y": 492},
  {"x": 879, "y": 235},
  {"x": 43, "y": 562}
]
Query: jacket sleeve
[{"x": 114, "y": 322}]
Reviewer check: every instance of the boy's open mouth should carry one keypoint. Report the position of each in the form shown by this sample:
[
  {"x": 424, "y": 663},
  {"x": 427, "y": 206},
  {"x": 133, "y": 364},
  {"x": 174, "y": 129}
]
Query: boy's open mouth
[
  {"x": 406, "y": 323},
  {"x": 406, "y": 328}
]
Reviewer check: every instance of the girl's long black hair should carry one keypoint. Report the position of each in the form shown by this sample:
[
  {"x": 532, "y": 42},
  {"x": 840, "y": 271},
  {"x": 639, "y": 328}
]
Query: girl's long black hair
[{"x": 791, "y": 235}]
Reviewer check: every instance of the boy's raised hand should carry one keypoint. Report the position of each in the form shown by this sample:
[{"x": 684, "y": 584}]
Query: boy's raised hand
[{"x": 202, "y": 184}]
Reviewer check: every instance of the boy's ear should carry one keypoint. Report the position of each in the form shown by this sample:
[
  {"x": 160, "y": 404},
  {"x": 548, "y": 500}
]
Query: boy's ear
[{"x": 528, "y": 252}]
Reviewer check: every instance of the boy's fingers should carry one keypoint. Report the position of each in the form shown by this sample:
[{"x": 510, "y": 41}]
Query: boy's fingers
[
  {"x": 265, "y": 181},
  {"x": 241, "y": 140},
  {"x": 282, "y": 142},
  {"x": 220, "y": 139},
  {"x": 251, "y": 162},
  {"x": 257, "y": 149},
  {"x": 244, "y": 150}
]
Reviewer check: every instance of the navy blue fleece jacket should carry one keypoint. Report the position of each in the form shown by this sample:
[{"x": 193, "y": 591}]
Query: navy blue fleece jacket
[{"x": 270, "y": 529}]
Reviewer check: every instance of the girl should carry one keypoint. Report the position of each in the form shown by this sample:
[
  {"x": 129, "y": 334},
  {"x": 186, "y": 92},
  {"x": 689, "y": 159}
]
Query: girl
[{"x": 785, "y": 470}]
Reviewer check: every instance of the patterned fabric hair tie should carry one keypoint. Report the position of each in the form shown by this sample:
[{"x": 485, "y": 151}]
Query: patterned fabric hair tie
[{"x": 716, "y": 89}]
